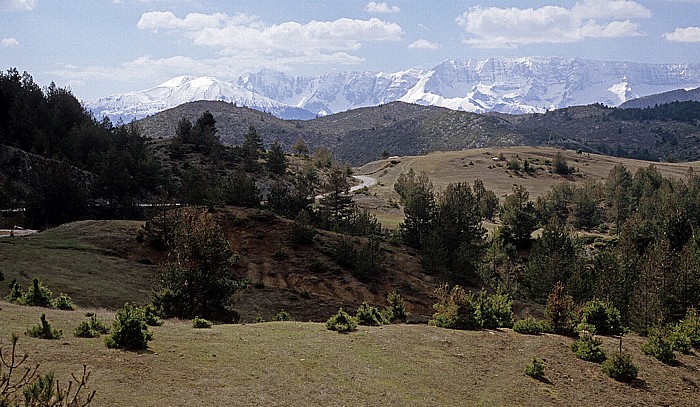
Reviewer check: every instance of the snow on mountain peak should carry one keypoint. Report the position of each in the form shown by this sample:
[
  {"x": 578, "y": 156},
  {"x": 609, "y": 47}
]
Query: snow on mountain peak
[{"x": 503, "y": 84}]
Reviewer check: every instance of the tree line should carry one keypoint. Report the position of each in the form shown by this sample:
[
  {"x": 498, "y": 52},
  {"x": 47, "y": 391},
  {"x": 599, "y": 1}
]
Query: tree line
[{"x": 640, "y": 250}]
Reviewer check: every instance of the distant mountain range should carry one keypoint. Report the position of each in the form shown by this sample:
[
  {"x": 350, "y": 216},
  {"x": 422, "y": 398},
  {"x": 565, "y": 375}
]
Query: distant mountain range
[
  {"x": 505, "y": 85},
  {"x": 679, "y": 95}
]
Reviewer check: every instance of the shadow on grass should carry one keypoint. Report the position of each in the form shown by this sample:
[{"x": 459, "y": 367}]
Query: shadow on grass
[{"x": 543, "y": 380}]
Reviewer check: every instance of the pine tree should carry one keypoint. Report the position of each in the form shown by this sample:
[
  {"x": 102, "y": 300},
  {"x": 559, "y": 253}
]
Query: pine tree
[{"x": 276, "y": 160}]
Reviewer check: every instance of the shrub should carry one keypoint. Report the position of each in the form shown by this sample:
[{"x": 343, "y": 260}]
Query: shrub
[
  {"x": 15, "y": 292},
  {"x": 282, "y": 316},
  {"x": 535, "y": 368},
  {"x": 341, "y": 322},
  {"x": 680, "y": 340},
  {"x": 455, "y": 309},
  {"x": 37, "y": 295},
  {"x": 129, "y": 330},
  {"x": 396, "y": 310},
  {"x": 602, "y": 315},
  {"x": 588, "y": 348},
  {"x": 659, "y": 346},
  {"x": 690, "y": 325},
  {"x": 303, "y": 230},
  {"x": 458, "y": 309},
  {"x": 200, "y": 323},
  {"x": 153, "y": 315},
  {"x": 620, "y": 367},
  {"x": 92, "y": 328},
  {"x": 495, "y": 310},
  {"x": 559, "y": 311},
  {"x": 528, "y": 326},
  {"x": 369, "y": 315},
  {"x": 44, "y": 330},
  {"x": 63, "y": 302}
]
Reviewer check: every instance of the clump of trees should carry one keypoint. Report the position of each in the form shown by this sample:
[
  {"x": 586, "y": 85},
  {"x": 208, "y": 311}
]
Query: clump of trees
[
  {"x": 38, "y": 295},
  {"x": 196, "y": 278}
]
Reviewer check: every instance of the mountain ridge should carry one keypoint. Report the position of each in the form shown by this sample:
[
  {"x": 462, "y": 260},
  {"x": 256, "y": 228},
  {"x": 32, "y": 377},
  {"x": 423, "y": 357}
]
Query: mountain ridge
[{"x": 499, "y": 84}]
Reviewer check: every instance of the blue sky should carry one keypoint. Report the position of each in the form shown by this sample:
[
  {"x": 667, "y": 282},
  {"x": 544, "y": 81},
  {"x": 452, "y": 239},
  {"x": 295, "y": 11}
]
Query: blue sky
[{"x": 101, "y": 47}]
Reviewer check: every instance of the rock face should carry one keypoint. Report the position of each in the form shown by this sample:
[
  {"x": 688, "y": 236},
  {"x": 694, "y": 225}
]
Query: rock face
[{"x": 506, "y": 85}]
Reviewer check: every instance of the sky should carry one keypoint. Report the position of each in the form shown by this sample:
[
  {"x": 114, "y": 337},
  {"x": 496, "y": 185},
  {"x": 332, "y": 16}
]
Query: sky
[{"x": 101, "y": 47}]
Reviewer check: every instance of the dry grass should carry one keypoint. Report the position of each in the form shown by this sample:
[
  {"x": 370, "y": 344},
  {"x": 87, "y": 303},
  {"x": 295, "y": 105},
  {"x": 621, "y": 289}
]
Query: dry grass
[
  {"x": 94, "y": 262},
  {"x": 444, "y": 168},
  {"x": 293, "y": 363}
]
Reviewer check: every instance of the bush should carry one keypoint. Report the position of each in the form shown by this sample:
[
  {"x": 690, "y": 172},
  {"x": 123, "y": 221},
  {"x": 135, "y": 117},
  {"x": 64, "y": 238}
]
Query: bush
[
  {"x": 455, "y": 309},
  {"x": 396, "y": 310},
  {"x": 458, "y": 309},
  {"x": 535, "y": 368},
  {"x": 659, "y": 346},
  {"x": 92, "y": 328},
  {"x": 494, "y": 311},
  {"x": 200, "y": 323},
  {"x": 37, "y": 295},
  {"x": 44, "y": 330},
  {"x": 603, "y": 316},
  {"x": 129, "y": 330},
  {"x": 588, "y": 348},
  {"x": 282, "y": 316},
  {"x": 63, "y": 302},
  {"x": 369, "y": 315},
  {"x": 690, "y": 325},
  {"x": 341, "y": 322},
  {"x": 620, "y": 367},
  {"x": 15, "y": 294},
  {"x": 559, "y": 311},
  {"x": 153, "y": 315},
  {"x": 528, "y": 326},
  {"x": 303, "y": 230},
  {"x": 680, "y": 340}
]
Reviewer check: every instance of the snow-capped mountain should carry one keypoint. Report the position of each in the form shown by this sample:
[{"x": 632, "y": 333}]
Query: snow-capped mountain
[
  {"x": 182, "y": 89},
  {"x": 507, "y": 85}
]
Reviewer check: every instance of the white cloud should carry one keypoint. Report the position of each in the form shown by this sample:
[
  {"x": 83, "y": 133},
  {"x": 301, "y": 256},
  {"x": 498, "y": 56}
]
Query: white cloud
[
  {"x": 243, "y": 33},
  {"x": 10, "y": 43},
  {"x": 688, "y": 34},
  {"x": 423, "y": 44},
  {"x": 493, "y": 27},
  {"x": 374, "y": 7},
  {"x": 18, "y": 4}
]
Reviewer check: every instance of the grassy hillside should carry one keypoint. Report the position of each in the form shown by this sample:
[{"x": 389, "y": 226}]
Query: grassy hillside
[
  {"x": 294, "y": 363},
  {"x": 468, "y": 165},
  {"x": 97, "y": 263},
  {"x": 101, "y": 264},
  {"x": 362, "y": 135}
]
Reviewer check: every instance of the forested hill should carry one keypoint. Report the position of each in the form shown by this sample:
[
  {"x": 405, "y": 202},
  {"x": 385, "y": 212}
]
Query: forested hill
[{"x": 667, "y": 132}]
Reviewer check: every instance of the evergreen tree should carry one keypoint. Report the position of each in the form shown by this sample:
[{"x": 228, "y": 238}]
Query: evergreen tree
[
  {"x": 618, "y": 195},
  {"x": 276, "y": 160},
  {"x": 552, "y": 259},
  {"x": 458, "y": 224},
  {"x": 418, "y": 200},
  {"x": 336, "y": 203},
  {"x": 196, "y": 279},
  {"x": 253, "y": 145},
  {"x": 518, "y": 217},
  {"x": 585, "y": 213}
]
